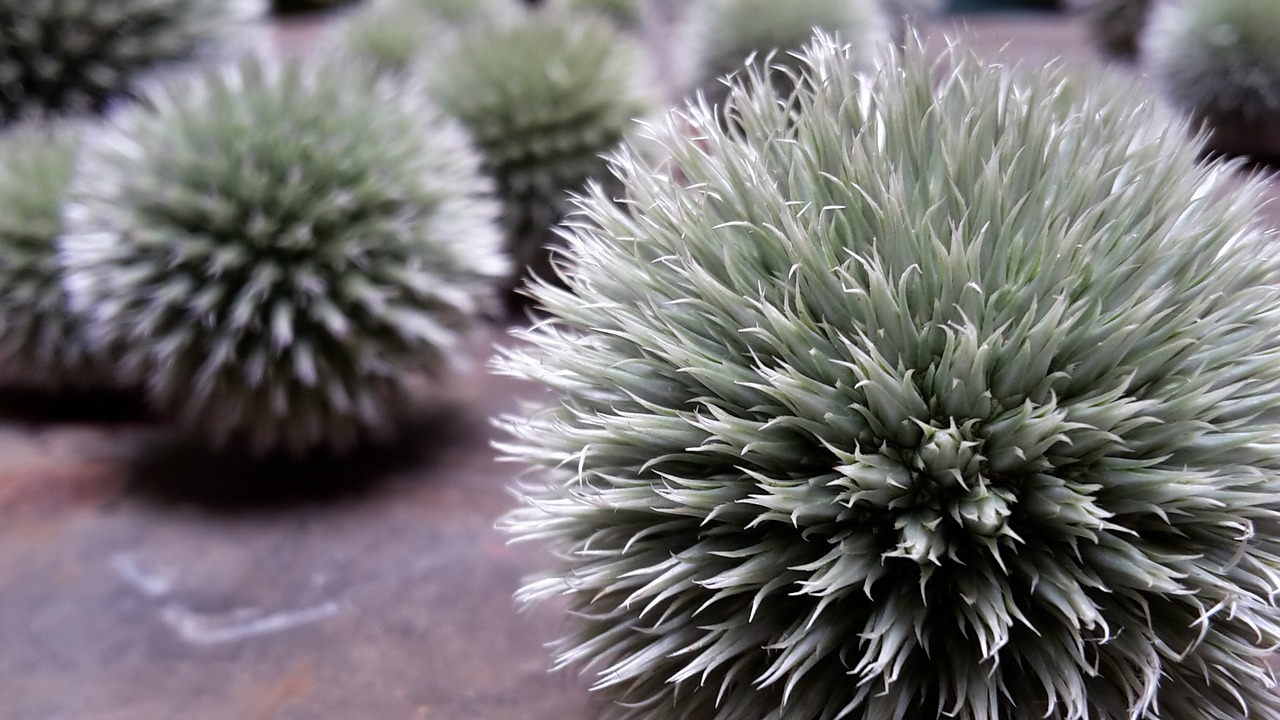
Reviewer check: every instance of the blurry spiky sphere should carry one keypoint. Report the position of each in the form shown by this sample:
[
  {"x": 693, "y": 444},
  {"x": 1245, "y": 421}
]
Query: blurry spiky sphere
[
  {"x": 543, "y": 97},
  {"x": 279, "y": 247},
  {"x": 396, "y": 35},
  {"x": 41, "y": 340},
  {"x": 949, "y": 392},
  {"x": 723, "y": 34},
  {"x": 76, "y": 56},
  {"x": 1218, "y": 60}
]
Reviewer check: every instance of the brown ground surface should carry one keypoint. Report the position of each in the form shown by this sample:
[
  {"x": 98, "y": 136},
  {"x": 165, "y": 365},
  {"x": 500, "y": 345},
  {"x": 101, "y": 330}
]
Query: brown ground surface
[{"x": 142, "y": 578}]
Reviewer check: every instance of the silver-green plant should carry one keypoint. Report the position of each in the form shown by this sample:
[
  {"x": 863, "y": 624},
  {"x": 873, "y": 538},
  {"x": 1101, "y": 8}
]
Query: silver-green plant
[
  {"x": 41, "y": 340},
  {"x": 77, "y": 56},
  {"x": 278, "y": 247},
  {"x": 544, "y": 98},
  {"x": 724, "y": 34},
  {"x": 1220, "y": 60},
  {"x": 947, "y": 392}
]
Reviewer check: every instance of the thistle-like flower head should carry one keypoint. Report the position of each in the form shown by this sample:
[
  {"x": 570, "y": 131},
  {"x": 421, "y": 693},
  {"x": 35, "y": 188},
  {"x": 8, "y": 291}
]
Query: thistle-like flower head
[
  {"x": 948, "y": 391},
  {"x": 279, "y": 246},
  {"x": 1219, "y": 60},
  {"x": 40, "y": 339},
  {"x": 76, "y": 56},
  {"x": 544, "y": 98}
]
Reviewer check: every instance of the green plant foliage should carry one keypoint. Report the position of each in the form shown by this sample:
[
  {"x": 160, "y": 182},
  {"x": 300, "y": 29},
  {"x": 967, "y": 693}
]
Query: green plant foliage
[
  {"x": 76, "y": 56},
  {"x": 544, "y": 99},
  {"x": 947, "y": 392},
  {"x": 723, "y": 34},
  {"x": 279, "y": 247},
  {"x": 1218, "y": 60},
  {"x": 41, "y": 341}
]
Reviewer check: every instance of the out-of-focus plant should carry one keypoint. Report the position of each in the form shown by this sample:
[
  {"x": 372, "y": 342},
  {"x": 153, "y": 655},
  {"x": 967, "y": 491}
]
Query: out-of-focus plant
[
  {"x": 278, "y": 247},
  {"x": 77, "y": 56}
]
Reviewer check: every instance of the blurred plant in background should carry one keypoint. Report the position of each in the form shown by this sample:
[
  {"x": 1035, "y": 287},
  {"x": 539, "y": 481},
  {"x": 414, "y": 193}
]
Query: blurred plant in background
[
  {"x": 77, "y": 56},
  {"x": 1220, "y": 62},
  {"x": 723, "y": 34},
  {"x": 41, "y": 341},
  {"x": 277, "y": 248},
  {"x": 395, "y": 35},
  {"x": 544, "y": 96}
]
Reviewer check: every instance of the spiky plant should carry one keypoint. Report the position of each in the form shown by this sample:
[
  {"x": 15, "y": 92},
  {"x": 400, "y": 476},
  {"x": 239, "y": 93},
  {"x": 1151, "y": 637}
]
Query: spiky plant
[
  {"x": 544, "y": 99},
  {"x": 949, "y": 392},
  {"x": 396, "y": 35},
  {"x": 279, "y": 246},
  {"x": 723, "y": 34},
  {"x": 1219, "y": 61},
  {"x": 76, "y": 56},
  {"x": 41, "y": 341}
]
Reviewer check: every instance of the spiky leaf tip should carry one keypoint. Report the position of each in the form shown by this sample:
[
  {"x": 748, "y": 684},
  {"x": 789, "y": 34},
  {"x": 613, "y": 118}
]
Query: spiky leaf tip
[
  {"x": 280, "y": 246},
  {"x": 1218, "y": 60},
  {"x": 544, "y": 99},
  {"x": 947, "y": 391},
  {"x": 77, "y": 56},
  {"x": 41, "y": 340}
]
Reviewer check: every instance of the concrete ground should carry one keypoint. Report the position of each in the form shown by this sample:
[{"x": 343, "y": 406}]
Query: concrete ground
[{"x": 142, "y": 578}]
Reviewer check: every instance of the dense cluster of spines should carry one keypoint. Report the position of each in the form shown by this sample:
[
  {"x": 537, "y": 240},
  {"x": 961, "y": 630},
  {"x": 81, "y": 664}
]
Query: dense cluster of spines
[
  {"x": 77, "y": 56},
  {"x": 940, "y": 392},
  {"x": 278, "y": 247}
]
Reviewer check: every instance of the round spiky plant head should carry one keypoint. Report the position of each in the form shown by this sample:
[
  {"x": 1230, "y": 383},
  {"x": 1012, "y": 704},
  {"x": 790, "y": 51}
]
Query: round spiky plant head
[
  {"x": 544, "y": 99},
  {"x": 279, "y": 247},
  {"x": 76, "y": 56},
  {"x": 41, "y": 341},
  {"x": 723, "y": 34},
  {"x": 395, "y": 35},
  {"x": 950, "y": 391},
  {"x": 1218, "y": 60}
]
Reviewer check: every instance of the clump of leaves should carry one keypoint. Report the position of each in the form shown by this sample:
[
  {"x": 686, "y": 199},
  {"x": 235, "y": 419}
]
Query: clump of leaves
[
  {"x": 950, "y": 391},
  {"x": 278, "y": 248}
]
